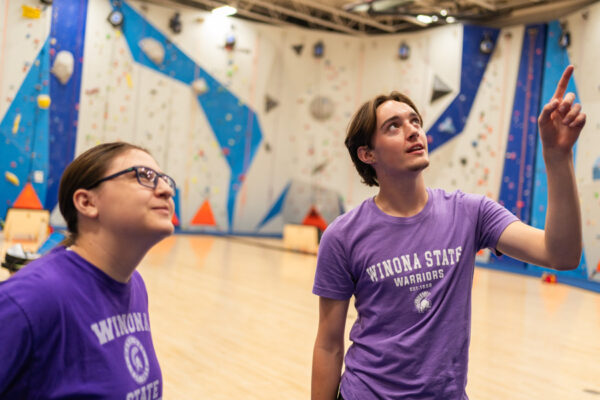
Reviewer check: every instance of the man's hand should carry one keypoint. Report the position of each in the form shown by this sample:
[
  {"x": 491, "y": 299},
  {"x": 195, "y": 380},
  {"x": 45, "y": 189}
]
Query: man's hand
[{"x": 561, "y": 121}]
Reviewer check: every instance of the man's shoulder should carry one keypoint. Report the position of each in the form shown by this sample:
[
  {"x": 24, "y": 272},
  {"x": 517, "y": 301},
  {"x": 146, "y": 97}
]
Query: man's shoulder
[
  {"x": 350, "y": 218},
  {"x": 456, "y": 196}
]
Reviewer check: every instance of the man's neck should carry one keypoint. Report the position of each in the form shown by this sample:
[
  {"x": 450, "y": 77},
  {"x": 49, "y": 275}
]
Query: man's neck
[{"x": 402, "y": 197}]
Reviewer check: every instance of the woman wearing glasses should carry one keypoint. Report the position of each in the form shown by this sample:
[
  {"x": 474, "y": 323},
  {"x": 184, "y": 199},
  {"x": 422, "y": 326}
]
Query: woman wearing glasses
[{"x": 75, "y": 322}]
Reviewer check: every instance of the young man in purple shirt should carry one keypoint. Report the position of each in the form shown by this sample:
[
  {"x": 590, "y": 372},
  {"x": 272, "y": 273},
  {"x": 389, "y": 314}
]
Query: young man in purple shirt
[{"x": 408, "y": 254}]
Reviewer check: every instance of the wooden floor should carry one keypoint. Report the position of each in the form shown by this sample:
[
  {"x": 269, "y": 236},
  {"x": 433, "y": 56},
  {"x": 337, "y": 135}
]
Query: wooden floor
[{"x": 233, "y": 319}]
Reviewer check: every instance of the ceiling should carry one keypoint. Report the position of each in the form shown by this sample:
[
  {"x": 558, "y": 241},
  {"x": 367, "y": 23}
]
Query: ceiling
[{"x": 367, "y": 17}]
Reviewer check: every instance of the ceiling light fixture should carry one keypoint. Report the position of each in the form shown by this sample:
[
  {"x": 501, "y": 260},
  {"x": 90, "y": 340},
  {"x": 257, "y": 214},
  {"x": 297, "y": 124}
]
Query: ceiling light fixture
[
  {"x": 426, "y": 19},
  {"x": 224, "y": 11}
]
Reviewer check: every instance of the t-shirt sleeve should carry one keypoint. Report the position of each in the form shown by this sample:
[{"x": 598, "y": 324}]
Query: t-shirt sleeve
[
  {"x": 332, "y": 277},
  {"x": 492, "y": 220},
  {"x": 15, "y": 341}
]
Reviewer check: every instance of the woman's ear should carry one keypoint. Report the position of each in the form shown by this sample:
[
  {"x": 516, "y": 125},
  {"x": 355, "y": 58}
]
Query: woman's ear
[
  {"x": 365, "y": 154},
  {"x": 85, "y": 203}
]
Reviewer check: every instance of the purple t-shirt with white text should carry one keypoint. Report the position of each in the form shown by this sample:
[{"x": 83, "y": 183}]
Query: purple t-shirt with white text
[
  {"x": 411, "y": 279},
  {"x": 71, "y": 331}
]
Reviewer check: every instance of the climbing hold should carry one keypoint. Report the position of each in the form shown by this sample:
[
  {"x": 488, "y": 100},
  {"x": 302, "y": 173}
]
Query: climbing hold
[
  {"x": 16, "y": 123},
  {"x": 63, "y": 66},
  {"x": 321, "y": 108},
  {"x": 43, "y": 101},
  {"x": 440, "y": 89},
  {"x": 31, "y": 12},
  {"x": 12, "y": 178},
  {"x": 447, "y": 126},
  {"x": 153, "y": 49},
  {"x": 270, "y": 103},
  {"x": 298, "y": 48}
]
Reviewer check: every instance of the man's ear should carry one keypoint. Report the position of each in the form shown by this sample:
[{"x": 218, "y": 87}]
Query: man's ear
[
  {"x": 365, "y": 154},
  {"x": 85, "y": 203}
]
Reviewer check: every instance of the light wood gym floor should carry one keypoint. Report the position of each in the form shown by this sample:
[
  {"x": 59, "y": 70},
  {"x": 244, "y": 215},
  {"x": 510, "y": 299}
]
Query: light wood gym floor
[{"x": 234, "y": 320}]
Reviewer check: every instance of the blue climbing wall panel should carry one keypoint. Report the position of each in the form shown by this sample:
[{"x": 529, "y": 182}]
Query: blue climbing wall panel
[
  {"x": 557, "y": 59},
  {"x": 24, "y": 133},
  {"x": 473, "y": 64},
  {"x": 68, "y": 34},
  {"x": 517, "y": 175}
]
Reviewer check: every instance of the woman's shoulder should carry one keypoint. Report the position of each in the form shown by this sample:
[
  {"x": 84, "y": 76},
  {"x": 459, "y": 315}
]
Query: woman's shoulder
[{"x": 39, "y": 283}]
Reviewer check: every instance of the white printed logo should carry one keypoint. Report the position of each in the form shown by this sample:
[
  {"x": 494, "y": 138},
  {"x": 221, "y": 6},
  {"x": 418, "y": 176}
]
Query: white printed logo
[
  {"x": 136, "y": 359},
  {"x": 422, "y": 303}
]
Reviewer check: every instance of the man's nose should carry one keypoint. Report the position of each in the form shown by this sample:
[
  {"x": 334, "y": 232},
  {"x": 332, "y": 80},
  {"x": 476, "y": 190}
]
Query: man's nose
[{"x": 412, "y": 132}]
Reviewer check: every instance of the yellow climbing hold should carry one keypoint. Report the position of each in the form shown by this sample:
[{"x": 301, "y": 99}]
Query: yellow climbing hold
[
  {"x": 31, "y": 12},
  {"x": 12, "y": 178},
  {"x": 43, "y": 101},
  {"x": 16, "y": 123}
]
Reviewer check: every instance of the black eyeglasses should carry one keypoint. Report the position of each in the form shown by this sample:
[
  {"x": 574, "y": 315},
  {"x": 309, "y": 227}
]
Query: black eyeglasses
[{"x": 146, "y": 176}]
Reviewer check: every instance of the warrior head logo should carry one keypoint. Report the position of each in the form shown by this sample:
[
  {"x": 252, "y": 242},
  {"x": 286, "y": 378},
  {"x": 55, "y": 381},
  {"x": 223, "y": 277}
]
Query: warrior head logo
[
  {"x": 136, "y": 360},
  {"x": 422, "y": 302}
]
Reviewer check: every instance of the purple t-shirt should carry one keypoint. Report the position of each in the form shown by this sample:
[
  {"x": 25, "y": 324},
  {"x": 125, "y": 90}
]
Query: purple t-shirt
[
  {"x": 411, "y": 278},
  {"x": 68, "y": 330}
]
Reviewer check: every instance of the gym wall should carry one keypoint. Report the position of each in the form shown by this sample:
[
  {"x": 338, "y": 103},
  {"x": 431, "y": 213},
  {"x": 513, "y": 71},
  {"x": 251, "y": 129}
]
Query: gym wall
[{"x": 250, "y": 119}]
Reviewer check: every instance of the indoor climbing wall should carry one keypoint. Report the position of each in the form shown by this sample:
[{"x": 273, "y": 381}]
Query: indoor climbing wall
[
  {"x": 585, "y": 38},
  {"x": 24, "y": 103},
  {"x": 250, "y": 119},
  {"x": 155, "y": 94},
  {"x": 517, "y": 170},
  {"x": 303, "y": 152},
  {"x": 244, "y": 171},
  {"x": 472, "y": 161},
  {"x": 431, "y": 57},
  {"x": 585, "y": 83}
]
